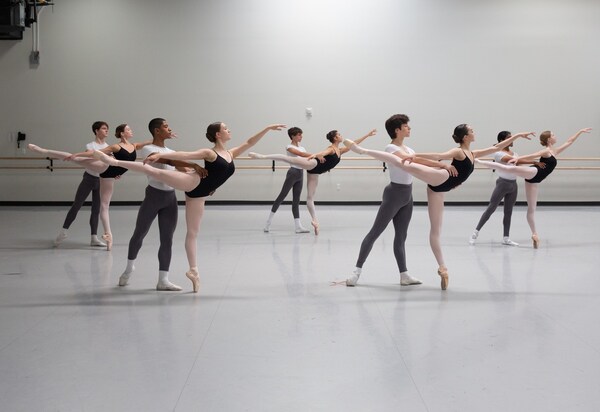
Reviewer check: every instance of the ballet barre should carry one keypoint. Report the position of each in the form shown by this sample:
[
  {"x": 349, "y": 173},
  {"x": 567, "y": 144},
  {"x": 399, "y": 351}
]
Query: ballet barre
[{"x": 51, "y": 166}]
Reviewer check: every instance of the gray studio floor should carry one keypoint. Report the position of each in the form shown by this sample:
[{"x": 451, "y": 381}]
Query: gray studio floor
[{"x": 517, "y": 330}]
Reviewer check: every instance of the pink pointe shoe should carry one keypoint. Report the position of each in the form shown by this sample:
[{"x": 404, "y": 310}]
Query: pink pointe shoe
[{"x": 193, "y": 275}]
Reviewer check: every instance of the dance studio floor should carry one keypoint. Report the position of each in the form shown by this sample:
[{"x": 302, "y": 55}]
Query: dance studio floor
[{"x": 268, "y": 332}]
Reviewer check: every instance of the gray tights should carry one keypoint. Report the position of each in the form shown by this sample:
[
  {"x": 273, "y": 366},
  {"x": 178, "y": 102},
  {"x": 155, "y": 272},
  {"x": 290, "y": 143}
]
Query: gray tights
[
  {"x": 396, "y": 206},
  {"x": 159, "y": 203}
]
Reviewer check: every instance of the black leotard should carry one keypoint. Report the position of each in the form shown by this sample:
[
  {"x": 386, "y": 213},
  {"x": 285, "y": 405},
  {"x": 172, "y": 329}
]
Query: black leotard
[
  {"x": 114, "y": 171},
  {"x": 218, "y": 172},
  {"x": 331, "y": 161},
  {"x": 463, "y": 167},
  {"x": 543, "y": 173}
]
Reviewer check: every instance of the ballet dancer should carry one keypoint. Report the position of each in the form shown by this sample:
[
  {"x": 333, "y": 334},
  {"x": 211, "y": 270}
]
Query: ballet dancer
[
  {"x": 123, "y": 150},
  {"x": 160, "y": 201},
  {"x": 315, "y": 165},
  {"x": 506, "y": 189},
  {"x": 396, "y": 204},
  {"x": 218, "y": 162},
  {"x": 89, "y": 184},
  {"x": 439, "y": 181},
  {"x": 294, "y": 179},
  {"x": 535, "y": 174}
]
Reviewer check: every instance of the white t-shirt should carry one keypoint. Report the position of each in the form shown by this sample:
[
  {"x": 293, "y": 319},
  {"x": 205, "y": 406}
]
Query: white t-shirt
[
  {"x": 398, "y": 175},
  {"x": 145, "y": 152},
  {"x": 298, "y": 148},
  {"x": 501, "y": 173},
  {"x": 94, "y": 146}
]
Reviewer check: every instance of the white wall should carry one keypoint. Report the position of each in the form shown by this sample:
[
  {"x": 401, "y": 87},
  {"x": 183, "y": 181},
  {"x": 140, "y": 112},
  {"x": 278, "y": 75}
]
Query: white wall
[{"x": 513, "y": 64}]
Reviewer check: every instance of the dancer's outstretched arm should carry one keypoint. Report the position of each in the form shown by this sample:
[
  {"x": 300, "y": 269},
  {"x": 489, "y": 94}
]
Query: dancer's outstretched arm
[
  {"x": 501, "y": 145},
  {"x": 238, "y": 150},
  {"x": 571, "y": 140},
  {"x": 200, "y": 154},
  {"x": 358, "y": 141}
]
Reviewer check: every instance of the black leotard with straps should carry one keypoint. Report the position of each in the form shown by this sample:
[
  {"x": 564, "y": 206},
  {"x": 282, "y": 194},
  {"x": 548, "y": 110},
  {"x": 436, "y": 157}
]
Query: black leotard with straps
[
  {"x": 114, "y": 171},
  {"x": 218, "y": 172},
  {"x": 331, "y": 161},
  {"x": 463, "y": 167},
  {"x": 543, "y": 173}
]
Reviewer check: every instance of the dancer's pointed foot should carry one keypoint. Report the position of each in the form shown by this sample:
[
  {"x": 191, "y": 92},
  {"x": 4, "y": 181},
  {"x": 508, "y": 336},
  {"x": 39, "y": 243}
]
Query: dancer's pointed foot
[
  {"x": 315, "y": 226},
  {"x": 104, "y": 158},
  {"x": 255, "y": 155},
  {"x": 36, "y": 148},
  {"x": 353, "y": 146},
  {"x": 443, "y": 272},
  {"x": 109, "y": 240},
  {"x": 193, "y": 275},
  {"x": 536, "y": 241}
]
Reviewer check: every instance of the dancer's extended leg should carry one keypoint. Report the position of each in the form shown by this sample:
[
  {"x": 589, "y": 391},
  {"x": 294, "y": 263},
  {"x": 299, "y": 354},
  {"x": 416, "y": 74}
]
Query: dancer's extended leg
[
  {"x": 87, "y": 162},
  {"x": 429, "y": 175},
  {"x": 296, "y": 161},
  {"x": 526, "y": 172},
  {"x": 194, "y": 210},
  {"x": 178, "y": 180},
  {"x": 311, "y": 188},
  {"x": 435, "y": 208}
]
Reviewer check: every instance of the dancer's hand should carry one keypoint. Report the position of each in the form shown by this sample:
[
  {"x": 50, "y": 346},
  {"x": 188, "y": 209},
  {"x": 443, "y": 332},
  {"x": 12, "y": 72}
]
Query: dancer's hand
[
  {"x": 526, "y": 135},
  {"x": 450, "y": 169},
  {"x": 202, "y": 172},
  {"x": 372, "y": 133},
  {"x": 408, "y": 158},
  {"x": 276, "y": 127},
  {"x": 513, "y": 161},
  {"x": 541, "y": 165},
  {"x": 152, "y": 157},
  {"x": 586, "y": 130}
]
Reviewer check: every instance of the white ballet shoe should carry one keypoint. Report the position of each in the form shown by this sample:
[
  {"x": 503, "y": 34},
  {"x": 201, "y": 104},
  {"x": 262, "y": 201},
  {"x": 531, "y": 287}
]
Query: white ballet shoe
[
  {"x": 59, "y": 239},
  {"x": 302, "y": 229},
  {"x": 506, "y": 241},
  {"x": 353, "y": 280},
  {"x": 167, "y": 286},
  {"x": 408, "y": 280},
  {"x": 97, "y": 242}
]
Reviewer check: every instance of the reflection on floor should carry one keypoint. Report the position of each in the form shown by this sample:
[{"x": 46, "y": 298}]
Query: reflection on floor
[{"x": 267, "y": 331}]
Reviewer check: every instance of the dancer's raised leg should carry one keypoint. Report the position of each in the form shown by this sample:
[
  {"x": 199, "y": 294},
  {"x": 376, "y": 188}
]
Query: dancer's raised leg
[
  {"x": 179, "y": 180},
  {"x": 311, "y": 188},
  {"x": 435, "y": 208},
  {"x": 526, "y": 172},
  {"x": 429, "y": 175},
  {"x": 296, "y": 161},
  {"x": 87, "y": 162},
  {"x": 531, "y": 194},
  {"x": 194, "y": 210}
]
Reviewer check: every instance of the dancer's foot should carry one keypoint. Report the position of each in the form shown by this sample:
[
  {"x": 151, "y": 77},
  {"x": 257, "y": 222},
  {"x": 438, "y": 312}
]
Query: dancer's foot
[
  {"x": 96, "y": 242},
  {"x": 36, "y": 148},
  {"x": 62, "y": 235},
  {"x": 443, "y": 272},
  {"x": 193, "y": 275},
  {"x": 167, "y": 286},
  {"x": 353, "y": 279},
  {"x": 473, "y": 237},
  {"x": 315, "y": 226},
  {"x": 408, "y": 280},
  {"x": 267, "y": 227},
  {"x": 536, "y": 241},
  {"x": 254, "y": 155},
  {"x": 353, "y": 146},
  {"x": 109, "y": 240},
  {"x": 104, "y": 158},
  {"x": 506, "y": 241},
  {"x": 302, "y": 229}
]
